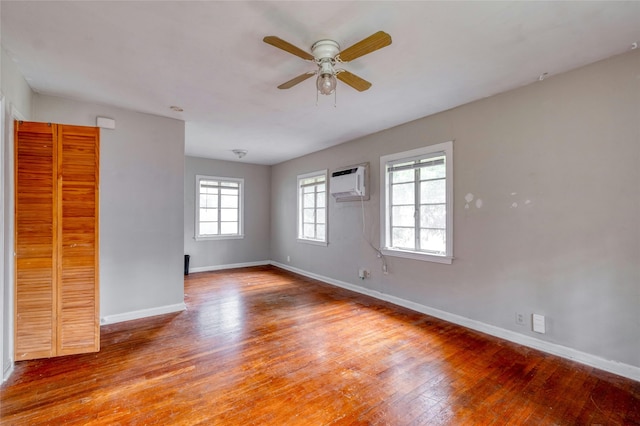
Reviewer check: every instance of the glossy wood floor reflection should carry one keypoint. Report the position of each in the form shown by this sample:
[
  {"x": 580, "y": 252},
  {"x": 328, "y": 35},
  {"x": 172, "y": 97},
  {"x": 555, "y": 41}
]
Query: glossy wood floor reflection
[{"x": 261, "y": 346}]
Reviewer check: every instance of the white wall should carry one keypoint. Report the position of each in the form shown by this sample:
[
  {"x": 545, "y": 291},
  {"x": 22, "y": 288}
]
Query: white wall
[
  {"x": 141, "y": 206},
  {"x": 556, "y": 167},
  {"x": 17, "y": 104},
  {"x": 254, "y": 247}
]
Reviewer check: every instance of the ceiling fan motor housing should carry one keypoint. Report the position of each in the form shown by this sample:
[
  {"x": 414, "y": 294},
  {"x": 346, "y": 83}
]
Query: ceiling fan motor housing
[{"x": 325, "y": 49}]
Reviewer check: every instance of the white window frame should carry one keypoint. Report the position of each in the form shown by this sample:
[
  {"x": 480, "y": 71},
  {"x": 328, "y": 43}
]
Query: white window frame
[
  {"x": 240, "y": 234},
  {"x": 445, "y": 148},
  {"x": 300, "y": 238}
]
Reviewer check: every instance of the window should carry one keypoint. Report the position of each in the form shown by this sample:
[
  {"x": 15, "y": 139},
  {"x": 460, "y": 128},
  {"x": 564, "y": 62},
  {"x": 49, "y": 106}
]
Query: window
[
  {"x": 312, "y": 211},
  {"x": 417, "y": 203},
  {"x": 219, "y": 204}
]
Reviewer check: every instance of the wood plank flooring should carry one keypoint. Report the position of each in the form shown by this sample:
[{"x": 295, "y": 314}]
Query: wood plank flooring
[{"x": 261, "y": 346}]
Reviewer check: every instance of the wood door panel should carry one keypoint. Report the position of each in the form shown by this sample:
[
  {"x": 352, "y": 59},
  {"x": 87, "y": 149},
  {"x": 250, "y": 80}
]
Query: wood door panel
[
  {"x": 35, "y": 230},
  {"x": 77, "y": 307},
  {"x": 78, "y": 246},
  {"x": 34, "y": 301}
]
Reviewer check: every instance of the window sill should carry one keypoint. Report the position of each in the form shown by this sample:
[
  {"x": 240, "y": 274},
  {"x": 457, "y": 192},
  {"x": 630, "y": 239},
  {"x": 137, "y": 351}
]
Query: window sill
[
  {"x": 218, "y": 237},
  {"x": 417, "y": 256},
  {"x": 312, "y": 242}
]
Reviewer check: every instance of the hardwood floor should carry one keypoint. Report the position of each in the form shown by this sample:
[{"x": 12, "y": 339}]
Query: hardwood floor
[{"x": 261, "y": 346}]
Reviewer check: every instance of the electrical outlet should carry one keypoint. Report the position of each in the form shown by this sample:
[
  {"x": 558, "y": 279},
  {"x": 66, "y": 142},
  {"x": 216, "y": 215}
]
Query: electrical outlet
[
  {"x": 519, "y": 318},
  {"x": 363, "y": 273},
  {"x": 288, "y": 258}
]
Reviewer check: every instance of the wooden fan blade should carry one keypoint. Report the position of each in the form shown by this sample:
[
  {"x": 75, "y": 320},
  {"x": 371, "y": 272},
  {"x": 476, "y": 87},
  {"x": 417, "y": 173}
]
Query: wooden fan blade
[
  {"x": 288, "y": 47},
  {"x": 370, "y": 44},
  {"x": 289, "y": 84},
  {"x": 353, "y": 80}
]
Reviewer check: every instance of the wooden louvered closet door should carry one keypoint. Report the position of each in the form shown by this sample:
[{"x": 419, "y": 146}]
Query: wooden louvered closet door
[
  {"x": 35, "y": 224},
  {"x": 78, "y": 320},
  {"x": 56, "y": 297}
]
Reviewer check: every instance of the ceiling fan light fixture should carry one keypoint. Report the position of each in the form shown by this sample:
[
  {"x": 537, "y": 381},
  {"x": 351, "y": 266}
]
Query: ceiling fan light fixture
[
  {"x": 239, "y": 152},
  {"x": 326, "y": 84}
]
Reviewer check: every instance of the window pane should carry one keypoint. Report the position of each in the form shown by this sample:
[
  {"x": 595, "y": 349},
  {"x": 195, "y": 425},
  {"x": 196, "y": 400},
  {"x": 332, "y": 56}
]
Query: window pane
[
  {"x": 210, "y": 201},
  {"x": 433, "y": 191},
  {"x": 403, "y": 194},
  {"x": 229, "y": 228},
  {"x": 208, "y": 190},
  {"x": 433, "y": 240},
  {"x": 229, "y": 215},
  {"x": 228, "y": 201},
  {"x": 229, "y": 191},
  {"x": 416, "y": 190},
  {"x": 433, "y": 216},
  {"x": 208, "y": 228},
  {"x": 433, "y": 172},
  {"x": 403, "y": 238},
  {"x": 308, "y": 215},
  {"x": 315, "y": 179},
  {"x": 208, "y": 215},
  {"x": 312, "y": 193},
  {"x": 403, "y": 216},
  {"x": 218, "y": 207},
  {"x": 309, "y": 230},
  {"x": 308, "y": 200},
  {"x": 403, "y": 176}
]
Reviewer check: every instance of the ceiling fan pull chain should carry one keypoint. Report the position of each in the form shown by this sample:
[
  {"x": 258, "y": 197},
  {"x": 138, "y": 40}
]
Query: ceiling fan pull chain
[{"x": 335, "y": 98}]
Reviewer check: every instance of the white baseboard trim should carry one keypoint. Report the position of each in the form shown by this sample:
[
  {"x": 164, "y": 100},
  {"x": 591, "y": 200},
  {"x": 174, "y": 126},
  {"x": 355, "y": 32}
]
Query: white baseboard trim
[
  {"x": 229, "y": 266},
  {"x": 611, "y": 366},
  {"x": 8, "y": 370},
  {"x": 142, "y": 313}
]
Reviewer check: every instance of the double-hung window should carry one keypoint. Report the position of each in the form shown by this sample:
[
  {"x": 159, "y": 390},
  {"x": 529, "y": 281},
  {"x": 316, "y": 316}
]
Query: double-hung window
[
  {"x": 219, "y": 202},
  {"x": 312, "y": 207},
  {"x": 417, "y": 203}
]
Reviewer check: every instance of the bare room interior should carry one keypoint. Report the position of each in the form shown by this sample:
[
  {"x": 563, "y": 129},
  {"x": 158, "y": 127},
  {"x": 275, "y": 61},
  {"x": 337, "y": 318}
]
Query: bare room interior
[{"x": 320, "y": 213}]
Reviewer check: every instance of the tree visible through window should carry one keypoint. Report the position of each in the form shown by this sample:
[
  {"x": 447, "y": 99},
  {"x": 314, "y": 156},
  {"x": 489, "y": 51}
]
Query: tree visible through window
[
  {"x": 417, "y": 202},
  {"x": 219, "y": 207},
  {"x": 312, "y": 211}
]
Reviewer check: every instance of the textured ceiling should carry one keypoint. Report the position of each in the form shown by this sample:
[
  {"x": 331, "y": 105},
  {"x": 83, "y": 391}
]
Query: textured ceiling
[{"x": 208, "y": 57}]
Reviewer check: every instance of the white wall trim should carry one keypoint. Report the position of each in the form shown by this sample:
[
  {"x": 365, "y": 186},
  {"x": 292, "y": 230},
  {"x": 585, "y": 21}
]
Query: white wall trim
[
  {"x": 17, "y": 115},
  {"x": 9, "y": 260},
  {"x": 8, "y": 370},
  {"x": 611, "y": 366},
  {"x": 2, "y": 254},
  {"x": 230, "y": 266},
  {"x": 142, "y": 313}
]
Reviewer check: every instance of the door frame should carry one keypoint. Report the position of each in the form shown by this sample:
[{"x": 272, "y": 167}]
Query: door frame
[{"x": 7, "y": 227}]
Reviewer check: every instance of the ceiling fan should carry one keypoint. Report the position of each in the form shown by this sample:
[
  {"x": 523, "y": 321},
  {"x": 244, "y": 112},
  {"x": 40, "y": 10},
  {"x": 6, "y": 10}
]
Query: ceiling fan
[{"x": 326, "y": 54}]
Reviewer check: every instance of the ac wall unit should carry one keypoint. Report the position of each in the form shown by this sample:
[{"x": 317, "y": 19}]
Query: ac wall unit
[{"x": 348, "y": 183}]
